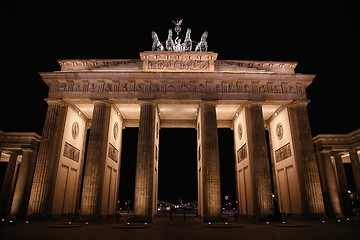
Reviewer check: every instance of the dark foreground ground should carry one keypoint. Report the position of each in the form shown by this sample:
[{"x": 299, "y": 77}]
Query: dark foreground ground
[{"x": 191, "y": 228}]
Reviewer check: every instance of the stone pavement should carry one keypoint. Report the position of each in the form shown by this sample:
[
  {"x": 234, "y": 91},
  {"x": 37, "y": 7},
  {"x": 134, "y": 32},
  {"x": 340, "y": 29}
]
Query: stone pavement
[{"x": 191, "y": 228}]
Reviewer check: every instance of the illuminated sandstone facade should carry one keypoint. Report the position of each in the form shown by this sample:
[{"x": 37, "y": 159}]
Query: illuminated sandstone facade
[
  {"x": 263, "y": 102},
  {"x": 19, "y": 150},
  {"x": 332, "y": 151}
]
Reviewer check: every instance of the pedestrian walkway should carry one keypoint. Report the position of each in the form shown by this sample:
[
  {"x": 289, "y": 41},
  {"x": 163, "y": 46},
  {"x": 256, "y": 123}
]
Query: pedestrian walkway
[{"x": 177, "y": 228}]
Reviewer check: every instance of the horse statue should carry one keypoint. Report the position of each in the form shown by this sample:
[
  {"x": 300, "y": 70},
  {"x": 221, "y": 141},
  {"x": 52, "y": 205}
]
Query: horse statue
[
  {"x": 157, "y": 46},
  {"x": 170, "y": 45},
  {"x": 187, "y": 42},
  {"x": 202, "y": 45}
]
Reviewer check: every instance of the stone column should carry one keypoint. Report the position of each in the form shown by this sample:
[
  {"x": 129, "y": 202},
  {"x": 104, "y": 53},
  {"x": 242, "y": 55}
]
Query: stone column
[
  {"x": 210, "y": 162},
  {"x": 328, "y": 184},
  {"x": 23, "y": 183},
  {"x": 343, "y": 187},
  {"x": 310, "y": 186},
  {"x": 95, "y": 160},
  {"x": 258, "y": 160},
  {"x": 42, "y": 189},
  {"x": 6, "y": 190},
  {"x": 143, "y": 202},
  {"x": 355, "y": 165}
]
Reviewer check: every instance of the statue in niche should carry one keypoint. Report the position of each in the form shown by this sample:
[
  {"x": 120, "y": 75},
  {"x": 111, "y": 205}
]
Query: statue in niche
[
  {"x": 157, "y": 46},
  {"x": 202, "y": 45}
]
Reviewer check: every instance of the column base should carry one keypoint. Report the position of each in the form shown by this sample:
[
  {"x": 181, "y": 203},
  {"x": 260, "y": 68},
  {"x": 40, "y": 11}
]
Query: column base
[
  {"x": 215, "y": 219},
  {"x": 86, "y": 218},
  {"x": 139, "y": 219},
  {"x": 36, "y": 217},
  {"x": 316, "y": 216}
]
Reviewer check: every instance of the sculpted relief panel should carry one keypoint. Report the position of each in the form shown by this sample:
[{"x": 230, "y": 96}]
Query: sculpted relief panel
[{"x": 178, "y": 65}]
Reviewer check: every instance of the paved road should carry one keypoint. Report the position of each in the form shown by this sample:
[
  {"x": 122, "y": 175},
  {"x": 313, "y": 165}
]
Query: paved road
[{"x": 192, "y": 228}]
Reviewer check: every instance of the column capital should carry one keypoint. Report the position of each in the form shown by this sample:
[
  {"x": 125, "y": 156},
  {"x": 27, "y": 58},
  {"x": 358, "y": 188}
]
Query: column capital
[
  {"x": 54, "y": 101},
  {"x": 27, "y": 150},
  {"x": 142, "y": 102},
  {"x": 336, "y": 154},
  {"x": 209, "y": 102},
  {"x": 352, "y": 151},
  {"x": 326, "y": 150},
  {"x": 100, "y": 101},
  {"x": 253, "y": 103},
  {"x": 299, "y": 103}
]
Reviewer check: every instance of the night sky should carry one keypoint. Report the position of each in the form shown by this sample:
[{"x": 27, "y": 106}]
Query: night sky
[{"x": 322, "y": 39}]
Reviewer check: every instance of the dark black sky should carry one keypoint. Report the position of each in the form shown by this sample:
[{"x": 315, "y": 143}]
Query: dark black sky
[{"x": 322, "y": 39}]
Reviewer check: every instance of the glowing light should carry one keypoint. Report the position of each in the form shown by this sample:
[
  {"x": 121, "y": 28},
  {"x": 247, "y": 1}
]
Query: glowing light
[
  {"x": 69, "y": 223},
  {"x": 27, "y": 222},
  {"x": 339, "y": 220},
  {"x": 209, "y": 223},
  {"x": 11, "y": 221},
  {"x": 267, "y": 223},
  {"x": 86, "y": 223}
]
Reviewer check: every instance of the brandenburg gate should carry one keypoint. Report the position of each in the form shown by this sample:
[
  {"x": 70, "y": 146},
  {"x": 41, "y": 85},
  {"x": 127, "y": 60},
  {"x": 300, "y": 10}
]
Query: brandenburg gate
[{"x": 178, "y": 88}]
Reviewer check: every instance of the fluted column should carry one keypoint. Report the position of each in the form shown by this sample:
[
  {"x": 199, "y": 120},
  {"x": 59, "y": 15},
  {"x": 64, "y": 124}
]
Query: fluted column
[
  {"x": 258, "y": 160},
  {"x": 210, "y": 161},
  {"x": 310, "y": 187},
  {"x": 143, "y": 202},
  {"x": 40, "y": 202},
  {"x": 6, "y": 190},
  {"x": 355, "y": 165},
  {"x": 343, "y": 187},
  {"x": 95, "y": 160},
  {"x": 23, "y": 183},
  {"x": 328, "y": 184}
]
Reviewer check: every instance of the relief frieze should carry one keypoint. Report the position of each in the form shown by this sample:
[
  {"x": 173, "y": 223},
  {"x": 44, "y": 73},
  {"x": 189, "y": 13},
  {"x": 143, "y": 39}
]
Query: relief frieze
[{"x": 202, "y": 87}]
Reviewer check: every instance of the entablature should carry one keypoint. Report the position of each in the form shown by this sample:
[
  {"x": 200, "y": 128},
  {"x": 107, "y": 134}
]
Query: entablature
[
  {"x": 338, "y": 142},
  {"x": 179, "y": 85}
]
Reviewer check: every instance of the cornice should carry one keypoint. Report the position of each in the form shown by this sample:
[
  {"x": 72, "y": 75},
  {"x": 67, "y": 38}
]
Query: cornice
[
  {"x": 130, "y": 65},
  {"x": 187, "y": 76}
]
